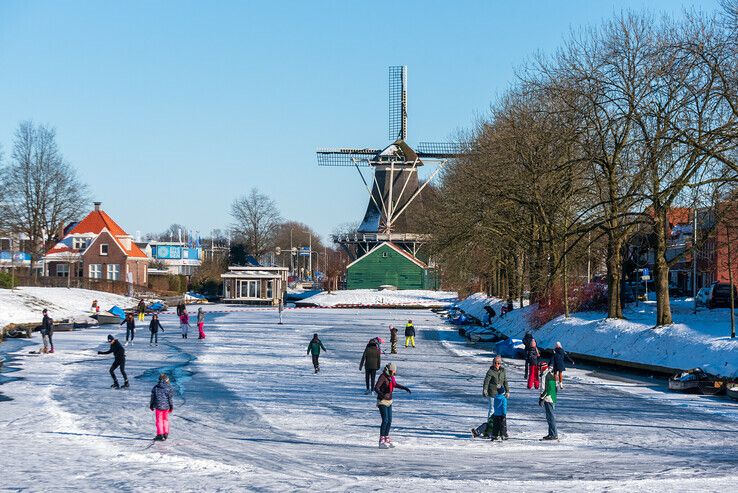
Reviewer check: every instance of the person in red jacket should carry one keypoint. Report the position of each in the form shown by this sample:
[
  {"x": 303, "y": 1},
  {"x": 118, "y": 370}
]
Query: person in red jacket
[{"x": 384, "y": 387}]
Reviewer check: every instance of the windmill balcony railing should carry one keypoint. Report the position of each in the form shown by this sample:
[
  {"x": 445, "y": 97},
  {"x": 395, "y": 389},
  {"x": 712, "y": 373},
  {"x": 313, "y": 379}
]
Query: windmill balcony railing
[{"x": 379, "y": 237}]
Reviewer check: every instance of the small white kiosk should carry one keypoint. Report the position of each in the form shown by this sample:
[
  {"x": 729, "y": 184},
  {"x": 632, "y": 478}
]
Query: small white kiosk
[{"x": 254, "y": 285}]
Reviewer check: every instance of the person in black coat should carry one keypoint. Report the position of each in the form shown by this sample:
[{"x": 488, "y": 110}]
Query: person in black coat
[
  {"x": 559, "y": 364},
  {"x": 47, "y": 331},
  {"x": 490, "y": 313},
  {"x": 527, "y": 338},
  {"x": 119, "y": 362},
  {"x": 154, "y": 327},
  {"x": 130, "y": 327}
]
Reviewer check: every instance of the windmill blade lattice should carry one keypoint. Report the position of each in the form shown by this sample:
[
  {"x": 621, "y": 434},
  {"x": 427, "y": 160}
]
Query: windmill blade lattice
[
  {"x": 346, "y": 156},
  {"x": 398, "y": 102}
]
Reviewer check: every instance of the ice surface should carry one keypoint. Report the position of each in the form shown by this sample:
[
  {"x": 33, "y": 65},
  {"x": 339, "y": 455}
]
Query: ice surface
[
  {"x": 373, "y": 297},
  {"x": 251, "y": 415}
]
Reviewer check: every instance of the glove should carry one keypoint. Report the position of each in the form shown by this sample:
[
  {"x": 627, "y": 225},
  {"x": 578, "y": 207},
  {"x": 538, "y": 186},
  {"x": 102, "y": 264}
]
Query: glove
[
  {"x": 99, "y": 352},
  {"x": 171, "y": 409},
  {"x": 151, "y": 408}
]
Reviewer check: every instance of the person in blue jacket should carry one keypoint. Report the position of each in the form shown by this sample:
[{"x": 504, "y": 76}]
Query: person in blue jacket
[
  {"x": 559, "y": 364},
  {"x": 499, "y": 417}
]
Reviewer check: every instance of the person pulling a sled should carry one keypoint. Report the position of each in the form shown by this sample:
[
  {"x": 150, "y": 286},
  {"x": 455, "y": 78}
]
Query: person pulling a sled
[
  {"x": 384, "y": 387},
  {"x": 314, "y": 347},
  {"x": 161, "y": 403},
  {"x": 154, "y": 327},
  {"x": 130, "y": 327},
  {"x": 119, "y": 353},
  {"x": 409, "y": 334},
  {"x": 548, "y": 401},
  {"x": 371, "y": 361}
]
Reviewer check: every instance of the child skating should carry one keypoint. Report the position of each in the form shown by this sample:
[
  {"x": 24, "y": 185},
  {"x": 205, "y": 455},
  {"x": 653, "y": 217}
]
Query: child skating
[
  {"x": 559, "y": 364},
  {"x": 499, "y": 416},
  {"x": 154, "y": 327},
  {"x": 384, "y": 387},
  {"x": 314, "y": 347},
  {"x": 161, "y": 404},
  {"x": 184, "y": 323}
]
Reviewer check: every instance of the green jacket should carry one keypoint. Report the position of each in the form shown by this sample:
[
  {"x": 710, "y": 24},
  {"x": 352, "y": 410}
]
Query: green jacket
[
  {"x": 493, "y": 379},
  {"x": 549, "y": 387},
  {"x": 315, "y": 346}
]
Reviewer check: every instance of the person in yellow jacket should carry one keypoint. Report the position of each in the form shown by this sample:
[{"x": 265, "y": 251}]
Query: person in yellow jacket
[{"x": 409, "y": 334}]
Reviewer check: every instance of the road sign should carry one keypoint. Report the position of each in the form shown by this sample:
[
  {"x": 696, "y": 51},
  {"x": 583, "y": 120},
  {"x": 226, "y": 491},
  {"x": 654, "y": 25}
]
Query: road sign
[
  {"x": 645, "y": 272},
  {"x": 645, "y": 278}
]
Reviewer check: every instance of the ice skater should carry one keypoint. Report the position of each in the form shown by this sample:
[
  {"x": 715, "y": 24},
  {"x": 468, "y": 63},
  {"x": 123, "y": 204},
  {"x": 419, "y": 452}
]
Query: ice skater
[
  {"x": 533, "y": 357},
  {"x": 154, "y": 327},
  {"x": 495, "y": 378},
  {"x": 393, "y": 339},
  {"x": 130, "y": 327},
  {"x": 409, "y": 334},
  {"x": 559, "y": 364},
  {"x": 548, "y": 401},
  {"x": 119, "y": 352},
  {"x": 384, "y": 387},
  {"x": 314, "y": 347},
  {"x": 527, "y": 338},
  {"x": 201, "y": 322},
  {"x": 499, "y": 415},
  {"x": 161, "y": 403},
  {"x": 371, "y": 361},
  {"x": 184, "y": 323},
  {"x": 47, "y": 332},
  {"x": 141, "y": 310}
]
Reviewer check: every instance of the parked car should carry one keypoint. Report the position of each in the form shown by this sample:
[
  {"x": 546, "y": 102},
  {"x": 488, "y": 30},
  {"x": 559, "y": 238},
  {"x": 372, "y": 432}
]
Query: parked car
[{"x": 716, "y": 295}]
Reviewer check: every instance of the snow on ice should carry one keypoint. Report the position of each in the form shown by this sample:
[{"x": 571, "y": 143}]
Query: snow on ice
[
  {"x": 388, "y": 297},
  {"x": 251, "y": 415}
]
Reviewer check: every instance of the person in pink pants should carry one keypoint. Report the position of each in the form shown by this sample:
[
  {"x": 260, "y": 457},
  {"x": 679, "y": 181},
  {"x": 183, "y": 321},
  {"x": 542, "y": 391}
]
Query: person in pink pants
[
  {"x": 201, "y": 322},
  {"x": 161, "y": 403},
  {"x": 533, "y": 358}
]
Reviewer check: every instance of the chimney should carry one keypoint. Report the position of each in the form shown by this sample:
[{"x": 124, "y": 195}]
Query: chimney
[{"x": 97, "y": 205}]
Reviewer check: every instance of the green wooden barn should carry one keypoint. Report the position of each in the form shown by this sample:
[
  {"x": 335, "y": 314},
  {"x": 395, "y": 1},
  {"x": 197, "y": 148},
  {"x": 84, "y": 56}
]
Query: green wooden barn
[{"x": 389, "y": 264}]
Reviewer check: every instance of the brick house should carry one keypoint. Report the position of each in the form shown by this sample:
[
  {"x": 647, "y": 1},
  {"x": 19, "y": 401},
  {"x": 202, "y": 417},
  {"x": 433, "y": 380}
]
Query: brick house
[{"x": 97, "y": 248}]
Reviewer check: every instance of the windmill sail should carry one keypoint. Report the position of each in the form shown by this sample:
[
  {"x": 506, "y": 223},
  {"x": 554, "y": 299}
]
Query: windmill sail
[{"x": 398, "y": 102}]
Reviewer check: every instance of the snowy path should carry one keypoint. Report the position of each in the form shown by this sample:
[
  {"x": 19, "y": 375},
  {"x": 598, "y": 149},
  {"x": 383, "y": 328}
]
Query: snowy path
[{"x": 252, "y": 415}]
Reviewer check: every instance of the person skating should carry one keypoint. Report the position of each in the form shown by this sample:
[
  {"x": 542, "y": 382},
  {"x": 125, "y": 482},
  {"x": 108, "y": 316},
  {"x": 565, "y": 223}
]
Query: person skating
[
  {"x": 162, "y": 405},
  {"x": 409, "y": 333},
  {"x": 499, "y": 415},
  {"x": 119, "y": 352},
  {"x": 314, "y": 347},
  {"x": 95, "y": 308},
  {"x": 184, "y": 323},
  {"x": 141, "y": 310},
  {"x": 201, "y": 322},
  {"x": 130, "y": 327},
  {"x": 559, "y": 363},
  {"x": 47, "y": 332},
  {"x": 496, "y": 377},
  {"x": 384, "y": 387},
  {"x": 180, "y": 308},
  {"x": 154, "y": 327},
  {"x": 527, "y": 338},
  {"x": 371, "y": 361},
  {"x": 533, "y": 357},
  {"x": 548, "y": 401},
  {"x": 393, "y": 339}
]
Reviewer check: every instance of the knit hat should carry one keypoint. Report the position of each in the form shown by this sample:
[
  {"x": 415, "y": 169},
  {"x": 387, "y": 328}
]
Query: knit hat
[
  {"x": 110, "y": 338},
  {"x": 392, "y": 367},
  {"x": 558, "y": 344},
  {"x": 380, "y": 340},
  {"x": 544, "y": 365}
]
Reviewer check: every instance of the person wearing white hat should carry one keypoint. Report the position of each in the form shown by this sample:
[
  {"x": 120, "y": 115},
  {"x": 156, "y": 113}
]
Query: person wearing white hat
[{"x": 384, "y": 387}]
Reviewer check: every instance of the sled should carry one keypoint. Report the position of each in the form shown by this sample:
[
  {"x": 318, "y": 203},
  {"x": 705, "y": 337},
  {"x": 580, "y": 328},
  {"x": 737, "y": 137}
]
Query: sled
[
  {"x": 732, "y": 391},
  {"x": 711, "y": 387},
  {"x": 696, "y": 380},
  {"x": 106, "y": 318}
]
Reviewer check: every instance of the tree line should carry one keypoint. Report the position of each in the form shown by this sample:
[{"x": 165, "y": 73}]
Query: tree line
[{"x": 592, "y": 144}]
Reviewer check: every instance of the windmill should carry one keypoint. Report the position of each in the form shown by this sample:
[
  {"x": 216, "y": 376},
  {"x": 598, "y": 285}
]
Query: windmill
[{"x": 394, "y": 185}]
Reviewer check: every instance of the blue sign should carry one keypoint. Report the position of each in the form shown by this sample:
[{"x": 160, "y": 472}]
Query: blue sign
[
  {"x": 304, "y": 251},
  {"x": 645, "y": 272}
]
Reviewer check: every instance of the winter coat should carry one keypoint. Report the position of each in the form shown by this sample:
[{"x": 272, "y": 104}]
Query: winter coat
[
  {"x": 532, "y": 356},
  {"x": 155, "y": 325},
  {"x": 384, "y": 387},
  {"x": 500, "y": 405},
  {"x": 549, "y": 387},
  {"x": 200, "y": 316},
  {"x": 117, "y": 349},
  {"x": 490, "y": 311},
  {"x": 493, "y": 379},
  {"x": 184, "y": 319},
  {"x": 527, "y": 339},
  {"x": 47, "y": 326},
  {"x": 393, "y": 334},
  {"x": 372, "y": 357},
  {"x": 161, "y": 397},
  {"x": 130, "y": 323},
  {"x": 409, "y": 330},
  {"x": 559, "y": 363},
  {"x": 141, "y": 307},
  {"x": 315, "y": 346}
]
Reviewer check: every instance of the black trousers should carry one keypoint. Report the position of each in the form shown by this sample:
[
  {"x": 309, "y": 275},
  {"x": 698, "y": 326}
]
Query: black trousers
[
  {"x": 130, "y": 333},
  {"x": 499, "y": 426},
  {"x": 154, "y": 337},
  {"x": 371, "y": 376},
  {"x": 122, "y": 366},
  {"x": 51, "y": 341},
  {"x": 315, "y": 361}
]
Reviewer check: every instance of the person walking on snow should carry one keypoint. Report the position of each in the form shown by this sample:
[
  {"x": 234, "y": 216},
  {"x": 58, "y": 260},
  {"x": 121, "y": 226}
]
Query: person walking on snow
[
  {"x": 141, "y": 310},
  {"x": 548, "y": 401},
  {"x": 130, "y": 327},
  {"x": 384, "y": 387},
  {"x": 499, "y": 415},
  {"x": 154, "y": 327},
  {"x": 47, "y": 332},
  {"x": 161, "y": 403},
  {"x": 314, "y": 347},
  {"x": 409, "y": 333},
  {"x": 119, "y": 353},
  {"x": 527, "y": 338},
  {"x": 559, "y": 364},
  {"x": 532, "y": 357},
  {"x": 371, "y": 362},
  {"x": 495, "y": 378},
  {"x": 393, "y": 339},
  {"x": 201, "y": 322},
  {"x": 184, "y": 324}
]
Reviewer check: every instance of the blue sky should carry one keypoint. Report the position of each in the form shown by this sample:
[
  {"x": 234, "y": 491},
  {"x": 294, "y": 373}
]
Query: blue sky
[{"x": 171, "y": 110}]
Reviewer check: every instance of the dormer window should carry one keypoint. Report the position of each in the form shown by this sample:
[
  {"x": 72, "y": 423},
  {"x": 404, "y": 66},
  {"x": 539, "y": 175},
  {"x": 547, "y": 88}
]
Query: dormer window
[
  {"x": 80, "y": 243},
  {"x": 103, "y": 249}
]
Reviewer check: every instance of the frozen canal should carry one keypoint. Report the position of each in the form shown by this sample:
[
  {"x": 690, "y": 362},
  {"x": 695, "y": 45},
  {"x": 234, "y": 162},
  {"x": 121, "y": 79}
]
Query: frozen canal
[{"x": 251, "y": 415}]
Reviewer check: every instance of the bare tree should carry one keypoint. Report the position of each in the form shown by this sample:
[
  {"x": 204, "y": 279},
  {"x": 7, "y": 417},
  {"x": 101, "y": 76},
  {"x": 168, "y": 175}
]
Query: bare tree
[
  {"x": 40, "y": 190},
  {"x": 256, "y": 220}
]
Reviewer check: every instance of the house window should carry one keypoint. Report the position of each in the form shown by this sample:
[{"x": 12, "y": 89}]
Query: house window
[
  {"x": 95, "y": 271},
  {"x": 113, "y": 272},
  {"x": 80, "y": 243},
  {"x": 62, "y": 270},
  {"x": 253, "y": 289},
  {"x": 103, "y": 249},
  {"x": 270, "y": 289},
  {"x": 384, "y": 254}
]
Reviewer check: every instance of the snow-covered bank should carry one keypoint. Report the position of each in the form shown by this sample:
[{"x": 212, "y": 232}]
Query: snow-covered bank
[
  {"x": 24, "y": 304},
  {"x": 694, "y": 340},
  {"x": 385, "y": 297}
]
